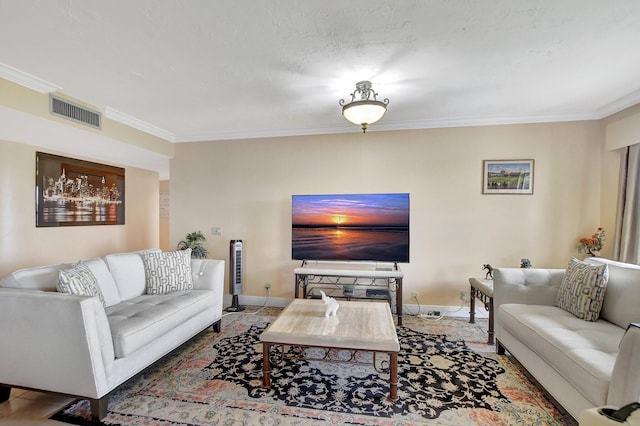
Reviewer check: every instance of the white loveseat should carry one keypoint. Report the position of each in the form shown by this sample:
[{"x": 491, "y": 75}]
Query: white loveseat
[
  {"x": 582, "y": 364},
  {"x": 78, "y": 345}
]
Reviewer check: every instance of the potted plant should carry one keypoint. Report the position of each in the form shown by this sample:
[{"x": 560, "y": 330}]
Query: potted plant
[
  {"x": 194, "y": 241},
  {"x": 592, "y": 245}
]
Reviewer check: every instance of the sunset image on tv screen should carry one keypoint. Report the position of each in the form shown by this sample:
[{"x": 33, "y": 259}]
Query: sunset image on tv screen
[{"x": 372, "y": 227}]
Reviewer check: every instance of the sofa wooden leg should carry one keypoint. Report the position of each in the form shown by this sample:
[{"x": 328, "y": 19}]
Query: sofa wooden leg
[
  {"x": 5, "y": 392},
  {"x": 216, "y": 326},
  {"x": 99, "y": 407},
  {"x": 499, "y": 348}
]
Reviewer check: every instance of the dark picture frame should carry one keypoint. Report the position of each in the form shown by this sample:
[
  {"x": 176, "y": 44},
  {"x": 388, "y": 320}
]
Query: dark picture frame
[
  {"x": 508, "y": 176},
  {"x": 71, "y": 192}
]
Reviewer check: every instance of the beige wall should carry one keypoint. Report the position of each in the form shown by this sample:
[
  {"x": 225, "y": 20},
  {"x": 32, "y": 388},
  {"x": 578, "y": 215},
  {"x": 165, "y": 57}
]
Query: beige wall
[
  {"x": 24, "y": 245},
  {"x": 245, "y": 186},
  {"x": 23, "y": 99}
]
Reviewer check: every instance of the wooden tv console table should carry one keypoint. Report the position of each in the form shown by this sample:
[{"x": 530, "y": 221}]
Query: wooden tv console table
[{"x": 351, "y": 281}]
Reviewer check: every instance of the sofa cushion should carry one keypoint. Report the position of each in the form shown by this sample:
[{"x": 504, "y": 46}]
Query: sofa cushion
[
  {"x": 105, "y": 281},
  {"x": 582, "y": 289},
  {"x": 79, "y": 280},
  {"x": 167, "y": 272},
  {"x": 127, "y": 270},
  {"x": 44, "y": 278},
  {"x": 584, "y": 353},
  {"x": 139, "y": 321},
  {"x": 622, "y": 298}
]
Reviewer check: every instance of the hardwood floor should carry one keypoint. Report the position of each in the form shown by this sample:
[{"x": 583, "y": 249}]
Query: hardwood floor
[{"x": 30, "y": 408}]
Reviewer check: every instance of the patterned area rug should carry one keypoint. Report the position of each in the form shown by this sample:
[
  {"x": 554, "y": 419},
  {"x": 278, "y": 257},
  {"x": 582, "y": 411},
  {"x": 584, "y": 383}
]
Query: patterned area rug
[{"x": 447, "y": 376}]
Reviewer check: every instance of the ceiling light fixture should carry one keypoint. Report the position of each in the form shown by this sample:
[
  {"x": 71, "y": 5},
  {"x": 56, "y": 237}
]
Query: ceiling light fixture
[{"x": 367, "y": 110}]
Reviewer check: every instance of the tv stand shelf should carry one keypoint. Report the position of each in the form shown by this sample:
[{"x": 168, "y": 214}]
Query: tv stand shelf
[{"x": 351, "y": 281}]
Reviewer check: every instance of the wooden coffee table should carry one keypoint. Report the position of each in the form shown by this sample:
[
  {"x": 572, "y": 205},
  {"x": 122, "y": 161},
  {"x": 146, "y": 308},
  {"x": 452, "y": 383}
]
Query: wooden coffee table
[{"x": 358, "y": 326}]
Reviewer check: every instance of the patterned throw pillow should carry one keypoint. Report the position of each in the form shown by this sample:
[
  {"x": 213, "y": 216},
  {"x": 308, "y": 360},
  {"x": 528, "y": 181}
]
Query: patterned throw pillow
[
  {"x": 582, "y": 290},
  {"x": 167, "y": 272},
  {"x": 80, "y": 281}
]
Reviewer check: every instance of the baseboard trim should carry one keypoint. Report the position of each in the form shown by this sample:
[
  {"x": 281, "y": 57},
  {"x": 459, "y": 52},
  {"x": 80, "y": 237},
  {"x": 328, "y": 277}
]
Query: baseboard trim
[
  {"x": 446, "y": 311},
  {"x": 407, "y": 309},
  {"x": 277, "y": 302}
]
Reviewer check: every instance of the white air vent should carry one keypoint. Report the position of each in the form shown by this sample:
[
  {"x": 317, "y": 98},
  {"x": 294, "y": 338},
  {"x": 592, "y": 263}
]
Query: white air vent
[{"x": 80, "y": 114}]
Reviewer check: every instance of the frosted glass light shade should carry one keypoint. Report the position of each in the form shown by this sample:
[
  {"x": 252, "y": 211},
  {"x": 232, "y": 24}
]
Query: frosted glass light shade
[{"x": 364, "y": 112}]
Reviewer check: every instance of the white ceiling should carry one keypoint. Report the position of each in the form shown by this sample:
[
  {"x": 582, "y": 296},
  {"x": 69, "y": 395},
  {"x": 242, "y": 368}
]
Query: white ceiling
[{"x": 224, "y": 69}]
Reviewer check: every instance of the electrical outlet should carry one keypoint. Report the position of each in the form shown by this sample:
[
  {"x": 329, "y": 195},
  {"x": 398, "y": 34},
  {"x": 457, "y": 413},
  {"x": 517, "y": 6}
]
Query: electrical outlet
[
  {"x": 414, "y": 295},
  {"x": 464, "y": 296}
]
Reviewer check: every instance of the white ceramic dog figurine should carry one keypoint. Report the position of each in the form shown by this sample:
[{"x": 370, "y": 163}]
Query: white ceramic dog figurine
[{"x": 330, "y": 303}]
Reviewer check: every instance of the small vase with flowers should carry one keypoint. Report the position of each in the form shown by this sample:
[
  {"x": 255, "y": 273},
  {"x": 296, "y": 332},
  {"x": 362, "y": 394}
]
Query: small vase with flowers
[{"x": 592, "y": 245}]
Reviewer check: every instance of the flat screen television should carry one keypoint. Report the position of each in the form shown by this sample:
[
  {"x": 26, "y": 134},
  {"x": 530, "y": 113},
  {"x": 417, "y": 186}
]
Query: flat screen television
[{"x": 350, "y": 227}]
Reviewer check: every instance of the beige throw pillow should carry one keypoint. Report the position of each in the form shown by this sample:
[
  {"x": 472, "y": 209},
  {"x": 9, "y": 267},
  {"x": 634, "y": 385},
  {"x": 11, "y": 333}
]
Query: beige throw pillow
[
  {"x": 80, "y": 281},
  {"x": 582, "y": 290},
  {"x": 167, "y": 272}
]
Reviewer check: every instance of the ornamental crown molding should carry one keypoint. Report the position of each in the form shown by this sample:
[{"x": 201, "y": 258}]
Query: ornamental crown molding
[
  {"x": 136, "y": 123},
  {"x": 24, "y": 79}
]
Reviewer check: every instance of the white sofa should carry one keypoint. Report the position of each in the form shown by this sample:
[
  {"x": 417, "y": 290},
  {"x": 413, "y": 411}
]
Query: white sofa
[
  {"x": 79, "y": 346},
  {"x": 582, "y": 364}
]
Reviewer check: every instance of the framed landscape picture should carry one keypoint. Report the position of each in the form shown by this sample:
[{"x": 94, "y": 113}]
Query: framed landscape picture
[
  {"x": 77, "y": 192},
  {"x": 507, "y": 176}
]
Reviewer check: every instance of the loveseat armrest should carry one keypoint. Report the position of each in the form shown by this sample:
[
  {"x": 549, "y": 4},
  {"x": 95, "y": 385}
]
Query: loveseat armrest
[
  {"x": 55, "y": 342},
  {"x": 208, "y": 274},
  {"x": 625, "y": 379},
  {"x": 531, "y": 286}
]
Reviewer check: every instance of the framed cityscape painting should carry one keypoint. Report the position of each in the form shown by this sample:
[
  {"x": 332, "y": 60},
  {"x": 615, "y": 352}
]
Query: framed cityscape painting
[
  {"x": 507, "y": 176},
  {"x": 75, "y": 192}
]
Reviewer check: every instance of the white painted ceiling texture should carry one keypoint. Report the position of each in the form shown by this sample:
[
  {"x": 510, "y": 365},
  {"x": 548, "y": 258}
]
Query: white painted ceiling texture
[{"x": 208, "y": 70}]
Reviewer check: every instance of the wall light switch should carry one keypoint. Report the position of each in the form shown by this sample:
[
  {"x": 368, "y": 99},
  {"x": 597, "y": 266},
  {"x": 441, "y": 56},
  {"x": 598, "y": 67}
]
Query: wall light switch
[{"x": 216, "y": 230}]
